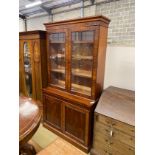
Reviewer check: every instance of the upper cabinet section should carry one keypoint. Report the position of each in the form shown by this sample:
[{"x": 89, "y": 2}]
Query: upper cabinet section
[{"x": 76, "y": 55}]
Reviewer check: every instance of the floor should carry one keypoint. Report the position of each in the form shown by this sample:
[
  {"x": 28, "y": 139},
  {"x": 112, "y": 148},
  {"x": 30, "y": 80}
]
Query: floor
[{"x": 47, "y": 143}]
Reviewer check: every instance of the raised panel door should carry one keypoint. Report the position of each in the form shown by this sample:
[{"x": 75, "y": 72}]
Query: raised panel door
[
  {"x": 52, "y": 108},
  {"x": 75, "y": 122}
]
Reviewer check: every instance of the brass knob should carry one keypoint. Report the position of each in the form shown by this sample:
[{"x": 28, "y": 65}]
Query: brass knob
[{"x": 111, "y": 133}]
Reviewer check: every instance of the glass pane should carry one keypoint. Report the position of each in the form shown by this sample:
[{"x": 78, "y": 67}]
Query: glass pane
[
  {"x": 83, "y": 36},
  {"x": 82, "y": 61},
  {"x": 57, "y": 37},
  {"x": 28, "y": 69},
  {"x": 57, "y": 58}
]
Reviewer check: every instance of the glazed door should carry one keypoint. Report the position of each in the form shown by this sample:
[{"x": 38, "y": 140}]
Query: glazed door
[
  {"x": 82, "y": 61},
  {"x": 57, "y": 58},
  {"x": 27, "y": 87}
]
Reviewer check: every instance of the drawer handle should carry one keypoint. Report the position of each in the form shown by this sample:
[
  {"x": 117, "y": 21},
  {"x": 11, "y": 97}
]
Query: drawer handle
[{"x": 111, "y": 133}]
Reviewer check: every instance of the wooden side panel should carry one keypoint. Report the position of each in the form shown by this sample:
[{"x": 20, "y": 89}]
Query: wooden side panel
[
  {"x": 53, "y": 115},
  {"x": 101, "y": 60},
  {"x": 95, "y": 63},
  {"x": 43, "y": 52},
  {"x": 22, "y": 86},
  {"x": 33, "y": 70}
]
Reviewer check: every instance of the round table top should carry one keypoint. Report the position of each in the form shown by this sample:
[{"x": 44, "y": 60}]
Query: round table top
[{"x": 29, "y": 118}]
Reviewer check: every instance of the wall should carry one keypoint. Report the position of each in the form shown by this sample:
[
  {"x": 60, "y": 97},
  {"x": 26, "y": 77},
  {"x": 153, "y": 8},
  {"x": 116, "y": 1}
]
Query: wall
[
  {"x": 120, "y": 67},
  {"x": 37, "y": 23},
  {"x": 21, "y": 25},
  {"x": 120, "y": 51},
  {"x": 122, "y": 26}
]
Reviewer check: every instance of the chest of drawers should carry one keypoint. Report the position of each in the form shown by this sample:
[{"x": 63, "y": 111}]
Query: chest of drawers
[{"x": 114, "y": 129}]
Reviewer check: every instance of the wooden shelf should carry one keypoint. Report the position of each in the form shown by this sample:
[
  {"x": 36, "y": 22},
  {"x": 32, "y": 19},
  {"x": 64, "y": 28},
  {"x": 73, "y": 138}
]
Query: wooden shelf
[
  {"x": 79, "y": 57},
  {"x": 57, "y": 55},
  {"x": 60, "y": 84},
  {"x": 83, "y": 42},
  {"x": 76, "y": 87},
  {"x": 57, "y": 42},
  {"x": 82, "y": 73},
  {"x": 77, "y": 72},
  {"x": 59, "y": 70},
  {"x": 81, "y": 89}
]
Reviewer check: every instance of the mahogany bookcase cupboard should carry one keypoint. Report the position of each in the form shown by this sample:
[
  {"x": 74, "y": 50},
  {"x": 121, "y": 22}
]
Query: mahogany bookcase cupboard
[
  {"x": 76, "y": 52},
  {"x": 32, "y": 63}
]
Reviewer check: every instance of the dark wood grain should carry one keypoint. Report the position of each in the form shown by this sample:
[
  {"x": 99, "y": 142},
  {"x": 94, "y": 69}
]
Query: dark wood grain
[
  {"x": 29, "y": 119},
  {"x": 75, "y": 121},
  {"x": 53, "y": 111}
]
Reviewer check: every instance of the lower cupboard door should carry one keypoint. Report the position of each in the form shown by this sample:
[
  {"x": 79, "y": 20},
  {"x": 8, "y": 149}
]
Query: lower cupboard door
[
  {"x": 53, "y": 113},
  {"x": 76, "y": 123}
]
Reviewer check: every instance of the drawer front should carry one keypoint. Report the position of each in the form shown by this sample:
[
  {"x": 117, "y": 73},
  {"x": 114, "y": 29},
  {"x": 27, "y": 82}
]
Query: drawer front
[
  {"x": 124, "y": 138},
  {"x": 116, "y": 124},
  {"x": 104, "y": 144},
  {"x": 111, "y": 139},
  {"x": 102, "y": 149},
  {"x": 114, "y": 134}
]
